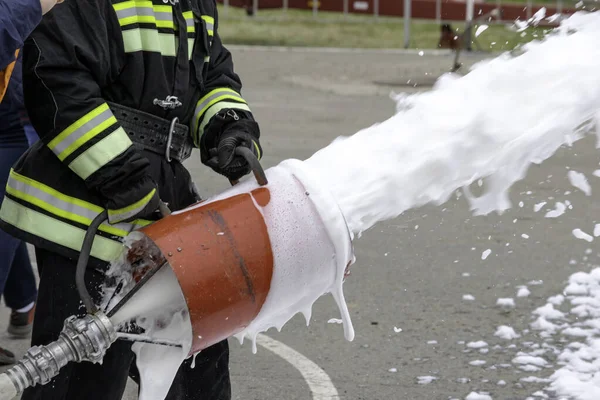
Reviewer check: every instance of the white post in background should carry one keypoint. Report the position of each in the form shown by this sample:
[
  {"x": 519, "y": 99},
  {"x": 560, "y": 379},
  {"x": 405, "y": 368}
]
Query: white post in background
[
  {"x": 438, "y": 11},
  {"x": 407, "y": 4},
  {"x": 376, "y": 9},
  {"x": 469, "y": 23},
  {"x": 285, "y": 6},
  {"x": 254, "y": 7},
  {"x": 345, "y": 8},
  {"x": 558, "y": 6},
  {"x": 499, "y": 7},
  {"x": 529, "y": 7},
  {"x": 225, "y": 6},
  {"x": 315, "y": 7},
  {"x": 470, "y": 10}
]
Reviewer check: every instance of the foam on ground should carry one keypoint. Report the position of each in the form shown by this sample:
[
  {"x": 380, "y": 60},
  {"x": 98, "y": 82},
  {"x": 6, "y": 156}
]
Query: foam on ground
[{"x": 578, "y": 376}]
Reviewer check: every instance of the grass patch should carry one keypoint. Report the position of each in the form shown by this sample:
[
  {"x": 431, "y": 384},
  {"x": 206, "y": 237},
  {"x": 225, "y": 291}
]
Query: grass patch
[{"x": 299, "y": 28}]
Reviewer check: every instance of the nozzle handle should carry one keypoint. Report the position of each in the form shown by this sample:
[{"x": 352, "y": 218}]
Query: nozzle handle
[
  {"x": 252, "y": 160},
  {"x": 82, "y": 261},
  {"x": 86, "y": 249}
]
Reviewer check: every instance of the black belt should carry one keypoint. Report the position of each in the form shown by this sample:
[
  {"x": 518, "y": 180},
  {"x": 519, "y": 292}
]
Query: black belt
[{"x": 152, "y": 133}]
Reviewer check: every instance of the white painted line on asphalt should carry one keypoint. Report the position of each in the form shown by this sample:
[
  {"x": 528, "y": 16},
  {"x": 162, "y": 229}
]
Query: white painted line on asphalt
[{"x": 318, "y": 381}]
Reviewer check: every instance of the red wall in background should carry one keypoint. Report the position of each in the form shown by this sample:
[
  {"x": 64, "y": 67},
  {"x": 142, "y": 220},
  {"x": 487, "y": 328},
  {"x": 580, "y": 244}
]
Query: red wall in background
[{"x": 425, "y": 9}]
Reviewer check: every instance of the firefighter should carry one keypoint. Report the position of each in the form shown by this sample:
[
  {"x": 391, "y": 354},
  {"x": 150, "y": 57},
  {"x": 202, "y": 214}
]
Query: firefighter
[{"x": 120, "y": 92}]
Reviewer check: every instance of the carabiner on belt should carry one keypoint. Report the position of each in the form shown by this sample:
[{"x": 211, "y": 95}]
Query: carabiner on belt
[{"x": 170, "y": 139}]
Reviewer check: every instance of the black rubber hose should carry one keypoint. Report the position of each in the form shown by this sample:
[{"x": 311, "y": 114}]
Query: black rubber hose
[
  {"x": 84, "y": 257},
  {"x": 251, "y": 159}
]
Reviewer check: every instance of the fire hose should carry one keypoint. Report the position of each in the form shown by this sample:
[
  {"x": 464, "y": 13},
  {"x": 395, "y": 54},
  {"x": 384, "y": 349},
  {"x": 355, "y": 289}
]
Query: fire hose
[{"x": 228, "y": 255}]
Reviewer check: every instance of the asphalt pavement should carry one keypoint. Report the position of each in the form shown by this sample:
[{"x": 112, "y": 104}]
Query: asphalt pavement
[{"x": 405, "y": 293}]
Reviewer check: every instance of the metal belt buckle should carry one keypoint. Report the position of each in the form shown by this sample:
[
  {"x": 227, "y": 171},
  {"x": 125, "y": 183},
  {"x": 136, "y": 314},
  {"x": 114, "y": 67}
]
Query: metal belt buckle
[{"x": 170, "y": 139}]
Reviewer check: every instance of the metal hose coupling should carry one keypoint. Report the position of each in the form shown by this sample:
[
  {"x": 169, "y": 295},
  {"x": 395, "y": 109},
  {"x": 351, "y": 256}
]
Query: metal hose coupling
[{"x": 82, "y": 339}]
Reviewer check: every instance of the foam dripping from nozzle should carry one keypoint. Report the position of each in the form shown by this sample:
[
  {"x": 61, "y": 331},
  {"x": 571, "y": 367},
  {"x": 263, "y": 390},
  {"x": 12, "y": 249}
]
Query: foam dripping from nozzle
[
  {"x": 160, "y": 310},
  {"x": 311, "y": 247}
]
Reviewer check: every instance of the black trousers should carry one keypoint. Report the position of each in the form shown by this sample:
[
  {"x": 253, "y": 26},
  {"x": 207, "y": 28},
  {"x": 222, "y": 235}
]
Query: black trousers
[{"x": 58, "y": 299}]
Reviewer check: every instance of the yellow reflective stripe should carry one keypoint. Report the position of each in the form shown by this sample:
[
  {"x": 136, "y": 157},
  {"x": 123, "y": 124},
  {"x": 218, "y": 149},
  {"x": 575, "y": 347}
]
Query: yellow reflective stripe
[
  {"x": 79, "y": 128},
  {"x": 146, "y": 19},
  {"x": 189, "y": 21},
  {"x": 137, "y": 18},
  {"x": 208, "y": 19},
  {"x": 163, "y": 8},
  {"x": 148, "y": 39},
  {"x": 140, "y": 223},
  {"x": 62, "y": 213},
  {"x": 132, "y": 12},
  {"x": 214, "y": 92},
  {"x": 56, "y": 231},
  {"x": 142, "y": 4},
  {"x": 210, "y": 24},
  {"x": 77, "y": 124},
  {"x": 140, "y": 39},
  {"x": 218, "y": 99},
  {"x": 257, "y": 150},
  {"x": 165, "y": 24},
  {"x": 215, "y": 109},
  {"x": 213, "y": 97},
  {"x": 189, "y": 18},
  {"x": 61, "y": 205},
  {"x": 190, "y": 47},
  {"x": 145, "y": 12},
  {"x": 89, "y": 135},
  {"x": 137, "y": 3},
  {"x": 131, "y": 210},
  {"x": 70, "y": 208},
  {"x": 101, "y": 153},
  {"x": 54, "y": 193}
]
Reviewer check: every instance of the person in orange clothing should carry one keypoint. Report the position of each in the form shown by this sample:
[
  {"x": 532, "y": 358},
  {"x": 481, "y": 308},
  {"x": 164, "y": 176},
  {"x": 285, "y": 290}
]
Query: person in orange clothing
[{"x": 18, "y": 18}]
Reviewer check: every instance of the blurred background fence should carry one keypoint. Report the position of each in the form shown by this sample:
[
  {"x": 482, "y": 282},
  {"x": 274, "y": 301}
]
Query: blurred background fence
[
  {"x": 439, "y": 10},
  {"x": 490, "y": 25}
]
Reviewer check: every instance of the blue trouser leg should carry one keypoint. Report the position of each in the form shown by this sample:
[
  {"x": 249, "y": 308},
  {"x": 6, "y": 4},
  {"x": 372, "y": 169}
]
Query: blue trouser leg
[
  {"x": 31, "y": 134},
  {"x": 20, "y": 289},
  {"x": 17, "y": 282}
]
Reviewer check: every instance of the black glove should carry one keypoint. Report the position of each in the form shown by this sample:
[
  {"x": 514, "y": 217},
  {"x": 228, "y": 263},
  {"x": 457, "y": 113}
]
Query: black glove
[
  {"x": 140, "y": 200},
  {"x": 230, "y": 164},
  {"x": 235, "y": 132}
]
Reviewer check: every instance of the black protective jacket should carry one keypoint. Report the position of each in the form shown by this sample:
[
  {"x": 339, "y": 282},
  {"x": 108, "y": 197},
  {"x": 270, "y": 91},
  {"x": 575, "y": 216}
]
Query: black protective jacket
[{"x": 85, "y": 54}]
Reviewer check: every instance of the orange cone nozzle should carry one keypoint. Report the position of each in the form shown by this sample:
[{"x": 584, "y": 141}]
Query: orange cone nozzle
[
  {"x": 222, "y": 257},
  {"x": 252, "y": 257}
]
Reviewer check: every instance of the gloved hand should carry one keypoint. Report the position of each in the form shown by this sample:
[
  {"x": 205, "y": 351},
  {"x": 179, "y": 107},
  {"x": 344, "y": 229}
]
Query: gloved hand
[
  {"x": 231, "y": 132},
  {"x": 144, "y": 208},
  {"x": 228, "y": 163},
  {"x": 140, "y": 200}
]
